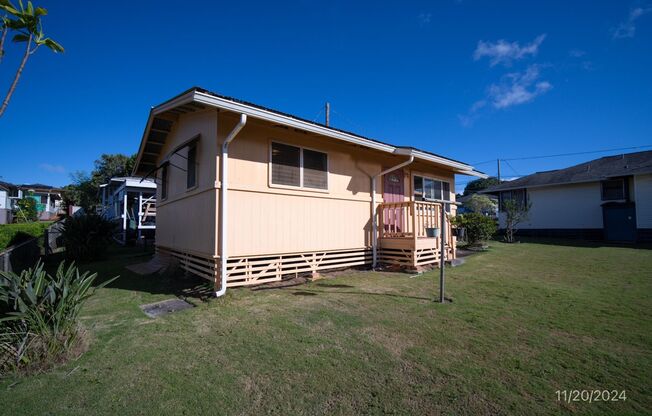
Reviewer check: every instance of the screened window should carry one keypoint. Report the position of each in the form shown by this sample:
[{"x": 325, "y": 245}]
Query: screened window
[
  {"x": 295, "y": 166},
  {"x": 164, "y": 181},
  {"x": 614, "y": 189},
  {"x": 315, "y": 174},
  {"x": 518, "y": 195},
  {"x": 426, "y": 189},
  {"x": 191, "y": 169},
  {"x": 286, "y": 165}
]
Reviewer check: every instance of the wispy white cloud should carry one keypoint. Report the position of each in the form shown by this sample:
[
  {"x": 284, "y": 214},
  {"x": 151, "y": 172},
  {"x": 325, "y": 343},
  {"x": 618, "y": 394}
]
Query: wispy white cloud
[
  {"x": 424, "y": 18},
  {"x": 576, "y": 53},
  {"x": 627, "y": 29},
  {"x": 503, "y": 52},
  {"x": 52, "y": 168},
  {"x": 514, "y": 89},
  {"x": 517, "y": 88}
]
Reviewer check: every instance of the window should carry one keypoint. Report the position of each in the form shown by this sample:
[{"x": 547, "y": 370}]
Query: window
[
  {"x": 295, "y": 166},
  {"x": 518, "y": 195},
  {"x": 286, "y": 165},
  {"x": 426, "y": 189},
  {"x": 614, "y": 189},
  {"x": 164, "y": 181},
  {"x": 191, "y": 168}
]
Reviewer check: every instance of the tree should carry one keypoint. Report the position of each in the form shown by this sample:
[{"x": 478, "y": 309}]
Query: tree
[
  {"x": 480, "y": 184},
  {"x": 111, "y": 165},
  {"x": 84, "y": 191},
  {"x": 26, "y": 209},
  {"x": 481, "y": 204},
  {"x": 26, "y": 22},
  {"x": 515, "y": 213}
]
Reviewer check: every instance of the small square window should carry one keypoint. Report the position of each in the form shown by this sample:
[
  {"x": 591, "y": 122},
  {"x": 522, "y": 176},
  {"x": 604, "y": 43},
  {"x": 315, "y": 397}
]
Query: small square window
[
  {"x": 613, "y": 189},
  {"x": 315, "y": 169}
]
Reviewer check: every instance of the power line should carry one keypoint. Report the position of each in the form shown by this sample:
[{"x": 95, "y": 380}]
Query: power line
[
  {"x": 563, "y": 154},
  {"x": 579, "y": 153}
]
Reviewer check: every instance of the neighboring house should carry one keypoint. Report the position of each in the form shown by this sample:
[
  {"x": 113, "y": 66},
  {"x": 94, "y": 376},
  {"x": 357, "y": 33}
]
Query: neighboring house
[
  {"x": 8, "y": 192},
  {"x": 608, "y": 198},
  {"x": 131, "y": 202},
  {"x": 247, "y": 194},
  {"x": 48, "y": 199}
]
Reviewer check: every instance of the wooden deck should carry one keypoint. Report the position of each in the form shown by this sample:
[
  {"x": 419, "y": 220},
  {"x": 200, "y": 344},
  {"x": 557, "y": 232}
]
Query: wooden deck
[{"x": 404, "y": 234}]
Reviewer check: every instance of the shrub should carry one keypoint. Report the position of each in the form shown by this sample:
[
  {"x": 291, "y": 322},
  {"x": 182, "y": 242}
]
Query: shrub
[
  {"x": 515, "y": 212},
  {"x": 26, "y": 210},
  {"x": 39, "y": 314},
  {"x": 86, "y": 237},
  {"x": 478, "y": 227},
  {"x": 11, "y": 234}
]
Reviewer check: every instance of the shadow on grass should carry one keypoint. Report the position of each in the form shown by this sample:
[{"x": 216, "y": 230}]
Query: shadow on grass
[
  {"x": 177, "y": 283},
  {"x": 312, "y": 292}
]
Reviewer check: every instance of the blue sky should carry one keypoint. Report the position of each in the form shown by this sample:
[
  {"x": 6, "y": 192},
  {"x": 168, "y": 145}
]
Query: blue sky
[{"x": 470, "y": 80}]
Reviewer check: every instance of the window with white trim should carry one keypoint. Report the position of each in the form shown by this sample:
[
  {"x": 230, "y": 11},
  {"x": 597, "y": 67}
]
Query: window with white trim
[
  {"x": 614, "y": 189},
  {"x": 428, "y": 189},
  {"x": 298, "y": 167}
]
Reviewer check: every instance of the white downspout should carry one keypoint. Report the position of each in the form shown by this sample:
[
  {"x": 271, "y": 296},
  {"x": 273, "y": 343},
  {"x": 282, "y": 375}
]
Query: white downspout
[
  {"x": 224, "y": 164},
  {"x": 374, "y": 235}
]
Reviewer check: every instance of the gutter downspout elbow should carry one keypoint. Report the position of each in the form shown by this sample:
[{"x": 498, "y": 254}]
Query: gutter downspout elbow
[
  {"x": 374, "y": 232},
  {"x": 224, "y": 164}
]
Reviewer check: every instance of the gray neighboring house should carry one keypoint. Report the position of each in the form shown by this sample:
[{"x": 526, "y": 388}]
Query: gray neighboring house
[{"x": 604, "y": 199}]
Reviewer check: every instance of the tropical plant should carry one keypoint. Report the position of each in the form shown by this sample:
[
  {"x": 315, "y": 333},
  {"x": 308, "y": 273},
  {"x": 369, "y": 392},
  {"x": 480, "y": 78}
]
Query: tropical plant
[
  {"x": 87, "y": 237},
  {"x": 26, "y": 22},
  {"x": 26, "y": 210},
  {"x": 478, "y": 227},
  {"x": 515, "y": 212},
  {"x": 39, "y": 314}
]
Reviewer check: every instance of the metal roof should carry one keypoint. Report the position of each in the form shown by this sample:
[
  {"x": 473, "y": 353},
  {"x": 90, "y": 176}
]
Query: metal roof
[
  {"x": 595, "y": 170},
  {"x": 197, "y": 98}
]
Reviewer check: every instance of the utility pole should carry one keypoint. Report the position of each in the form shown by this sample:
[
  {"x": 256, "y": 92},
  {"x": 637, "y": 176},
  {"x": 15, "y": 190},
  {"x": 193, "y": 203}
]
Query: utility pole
[
  {"x": 498, "y": 160},
  {"x": 328, "y": 114}
]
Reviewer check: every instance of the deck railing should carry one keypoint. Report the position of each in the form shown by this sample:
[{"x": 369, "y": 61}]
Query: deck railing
[{"x": 410, "y": 219}]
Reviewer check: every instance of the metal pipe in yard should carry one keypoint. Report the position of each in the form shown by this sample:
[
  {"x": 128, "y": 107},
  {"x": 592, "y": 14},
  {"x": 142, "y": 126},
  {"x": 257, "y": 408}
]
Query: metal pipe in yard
[{"x": 442, "y": 254}]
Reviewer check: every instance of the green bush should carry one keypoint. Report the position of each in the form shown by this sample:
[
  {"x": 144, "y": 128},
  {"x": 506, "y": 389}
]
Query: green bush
[
  {"x": 39, "y": 314},
  {"x": 11, "y": 234},
  {"x": 26, "y": 210},
  {"x": 87, "y": 237},
  {"x": 478, "y": 227}
]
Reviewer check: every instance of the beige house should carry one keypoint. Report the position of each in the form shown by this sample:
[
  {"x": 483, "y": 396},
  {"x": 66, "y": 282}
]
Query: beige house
[{"x": 247, "y": 194}]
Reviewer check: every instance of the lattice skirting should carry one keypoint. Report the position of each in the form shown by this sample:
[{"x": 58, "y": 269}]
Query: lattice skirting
[
  {"x": 253, "y": 270},
  {"x": 409, "y": 258}
]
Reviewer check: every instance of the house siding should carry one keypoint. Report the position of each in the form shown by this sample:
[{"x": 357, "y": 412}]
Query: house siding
[
  {"x": 643, "y": 200},
  {"x": 265, "y": 219},
  {"x": 572, "y": 207}
]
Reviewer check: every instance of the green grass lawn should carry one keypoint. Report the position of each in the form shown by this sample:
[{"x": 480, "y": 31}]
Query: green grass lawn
[{"x": 527, "y": 320}]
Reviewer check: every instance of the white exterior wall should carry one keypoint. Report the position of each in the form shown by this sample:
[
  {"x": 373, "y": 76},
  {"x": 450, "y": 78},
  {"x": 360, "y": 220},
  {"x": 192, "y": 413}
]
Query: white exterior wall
[
  {"x": 575, "y": 206},
  {"x": 4, "y": 201},
  {"x": 643, "y": 200}
]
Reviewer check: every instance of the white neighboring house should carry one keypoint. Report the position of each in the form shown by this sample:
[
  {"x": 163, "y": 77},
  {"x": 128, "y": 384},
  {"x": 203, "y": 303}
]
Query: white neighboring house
[
  {"x": 131, "y": 202},
  {"x": 604, "y": 199},
  {"x": 8, "y": 192}
]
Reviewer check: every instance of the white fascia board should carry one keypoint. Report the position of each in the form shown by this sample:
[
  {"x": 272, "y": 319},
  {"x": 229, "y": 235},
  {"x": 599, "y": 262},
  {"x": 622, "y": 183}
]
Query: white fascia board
[
  {"x": 288, "y": 121},
  {"x": 258, "y": 113}
]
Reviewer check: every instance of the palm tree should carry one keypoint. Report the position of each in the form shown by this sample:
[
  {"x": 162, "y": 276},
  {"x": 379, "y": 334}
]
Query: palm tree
[{"x": 26, "y": 21}]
